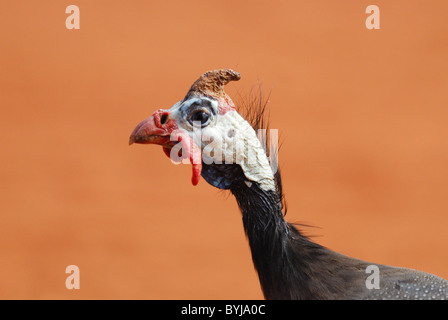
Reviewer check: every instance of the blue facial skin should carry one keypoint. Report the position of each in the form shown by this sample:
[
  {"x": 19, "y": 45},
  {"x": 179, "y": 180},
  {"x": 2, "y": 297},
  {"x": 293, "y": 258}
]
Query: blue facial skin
[{"x": 222, "y": 176}]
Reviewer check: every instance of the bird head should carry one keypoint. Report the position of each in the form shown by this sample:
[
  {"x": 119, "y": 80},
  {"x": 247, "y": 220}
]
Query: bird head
[{"x": 205, "y": 130}]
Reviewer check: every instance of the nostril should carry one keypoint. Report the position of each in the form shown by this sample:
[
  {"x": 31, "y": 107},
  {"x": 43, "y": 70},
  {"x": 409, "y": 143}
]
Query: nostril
[{"x": 163, "y": 118}]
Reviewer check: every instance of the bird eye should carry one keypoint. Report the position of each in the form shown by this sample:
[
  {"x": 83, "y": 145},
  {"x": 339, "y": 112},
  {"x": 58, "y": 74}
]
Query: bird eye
[{"x": 200, "y": 116}]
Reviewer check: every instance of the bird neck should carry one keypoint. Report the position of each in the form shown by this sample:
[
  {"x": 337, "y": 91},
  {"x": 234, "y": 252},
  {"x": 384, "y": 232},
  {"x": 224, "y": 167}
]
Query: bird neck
[
  {"x": 268, "y": 235},
  {"x": 286, "y": 261}
]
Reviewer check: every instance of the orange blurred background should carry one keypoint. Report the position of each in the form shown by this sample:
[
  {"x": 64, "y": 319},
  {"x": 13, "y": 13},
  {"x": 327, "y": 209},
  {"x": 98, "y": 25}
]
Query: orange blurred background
[{"x": 362, "y": 115}]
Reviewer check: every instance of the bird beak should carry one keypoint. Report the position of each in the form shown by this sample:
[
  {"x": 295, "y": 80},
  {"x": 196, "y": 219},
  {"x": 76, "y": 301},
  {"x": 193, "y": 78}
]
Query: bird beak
[
  {"x": 161, "y": 129},
  {"x": 154, "y": 130}
]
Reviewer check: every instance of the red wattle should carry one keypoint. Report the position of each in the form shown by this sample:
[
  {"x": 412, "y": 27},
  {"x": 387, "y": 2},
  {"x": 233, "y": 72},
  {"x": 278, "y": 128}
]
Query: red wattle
[
  {"x": 167, "y": 151},
  {"x": 193, "y": 153}
]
